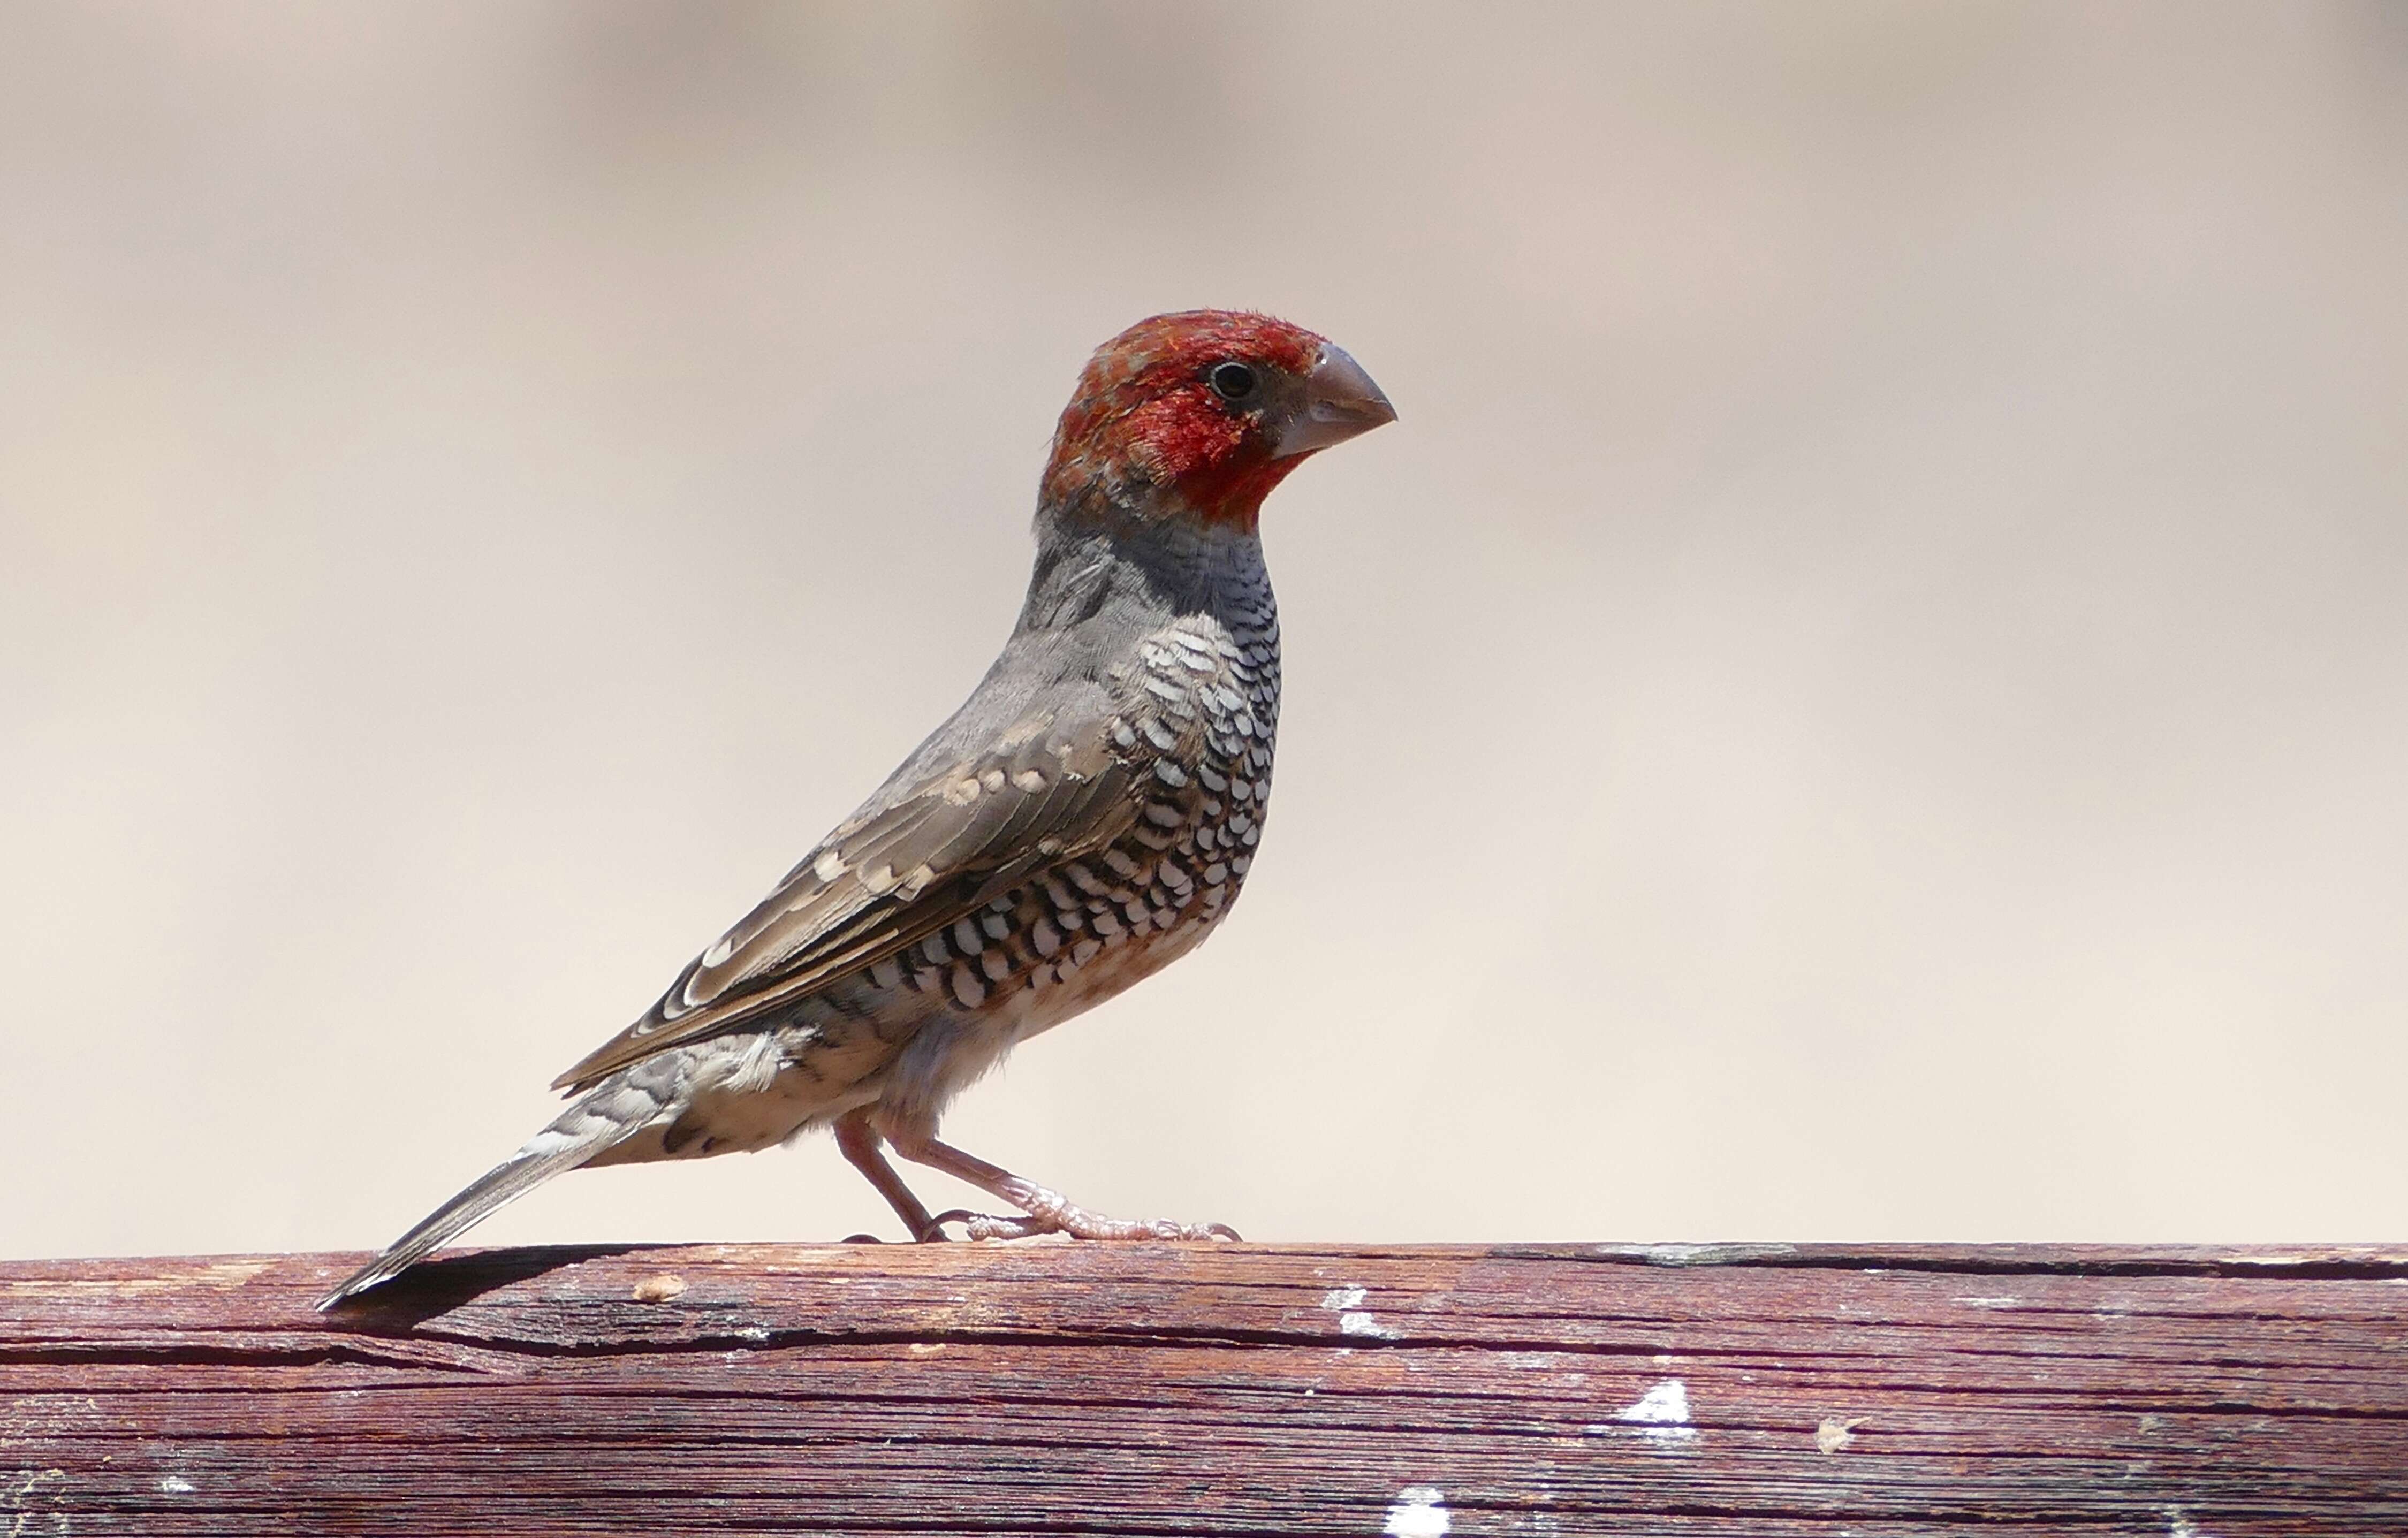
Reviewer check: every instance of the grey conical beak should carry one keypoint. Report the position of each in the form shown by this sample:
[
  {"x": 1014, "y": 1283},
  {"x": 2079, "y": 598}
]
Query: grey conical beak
[{"x": 1339, "y": 403}]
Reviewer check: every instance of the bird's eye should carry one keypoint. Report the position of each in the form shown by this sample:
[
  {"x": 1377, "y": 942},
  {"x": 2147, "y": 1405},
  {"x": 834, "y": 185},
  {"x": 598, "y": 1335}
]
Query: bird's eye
[{"x": 1231, "y": 381}]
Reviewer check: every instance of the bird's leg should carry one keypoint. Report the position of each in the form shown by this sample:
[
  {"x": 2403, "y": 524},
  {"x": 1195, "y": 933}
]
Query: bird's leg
[
  {"x": 1049, "y": 1211},
  {"x": 865, "y": 1150}
]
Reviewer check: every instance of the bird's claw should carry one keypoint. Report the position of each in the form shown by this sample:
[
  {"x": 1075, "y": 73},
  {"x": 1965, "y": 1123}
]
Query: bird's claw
[
  {"x": 987, "y": 1225},
  {"x": 1059, "y": 1217}
]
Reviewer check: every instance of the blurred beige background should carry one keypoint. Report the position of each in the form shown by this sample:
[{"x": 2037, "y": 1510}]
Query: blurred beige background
[{"x": 1864, "y": 698}]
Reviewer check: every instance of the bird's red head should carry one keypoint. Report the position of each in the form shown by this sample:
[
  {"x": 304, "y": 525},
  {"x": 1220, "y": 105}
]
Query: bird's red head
[{"x": 1213, "y": 407}]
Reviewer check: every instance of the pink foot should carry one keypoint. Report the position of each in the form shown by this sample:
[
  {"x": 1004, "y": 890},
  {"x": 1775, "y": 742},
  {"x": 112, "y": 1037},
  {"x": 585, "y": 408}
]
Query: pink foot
[{"x": 1049, "y": 1212}]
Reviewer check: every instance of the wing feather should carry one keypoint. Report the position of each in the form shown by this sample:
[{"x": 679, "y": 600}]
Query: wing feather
[{"x": 912, "y": 862}]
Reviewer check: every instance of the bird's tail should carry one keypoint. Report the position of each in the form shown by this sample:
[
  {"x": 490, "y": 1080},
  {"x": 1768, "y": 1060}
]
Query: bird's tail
[{"x": 576, "y": 1138}]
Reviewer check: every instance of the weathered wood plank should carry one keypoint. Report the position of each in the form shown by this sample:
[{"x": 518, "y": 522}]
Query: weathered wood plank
[{"x": 1216, "y": 1389}]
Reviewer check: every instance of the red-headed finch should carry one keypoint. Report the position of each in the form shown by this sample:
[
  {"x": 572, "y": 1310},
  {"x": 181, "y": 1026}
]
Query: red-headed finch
[{"x": 1083, "y": 820}]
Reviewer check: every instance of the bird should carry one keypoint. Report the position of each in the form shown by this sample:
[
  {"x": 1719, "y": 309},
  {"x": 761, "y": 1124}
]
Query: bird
[{"x": 1084, "y": 819}]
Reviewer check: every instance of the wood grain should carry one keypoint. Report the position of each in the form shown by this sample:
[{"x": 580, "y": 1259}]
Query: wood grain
[{"x": 1216, "y": 1389}]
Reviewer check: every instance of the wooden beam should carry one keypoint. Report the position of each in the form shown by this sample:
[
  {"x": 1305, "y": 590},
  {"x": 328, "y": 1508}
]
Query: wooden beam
[{"x": 1195, "y": 1389}]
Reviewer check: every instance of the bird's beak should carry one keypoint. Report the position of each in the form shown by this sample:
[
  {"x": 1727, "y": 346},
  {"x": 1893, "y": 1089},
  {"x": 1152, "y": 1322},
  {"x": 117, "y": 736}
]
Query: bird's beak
[{"x": 1339, "y": 401}]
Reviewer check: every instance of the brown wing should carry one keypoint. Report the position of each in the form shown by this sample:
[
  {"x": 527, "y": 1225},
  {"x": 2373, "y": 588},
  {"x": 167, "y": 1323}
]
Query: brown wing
[{"x": 903, "y": 868}]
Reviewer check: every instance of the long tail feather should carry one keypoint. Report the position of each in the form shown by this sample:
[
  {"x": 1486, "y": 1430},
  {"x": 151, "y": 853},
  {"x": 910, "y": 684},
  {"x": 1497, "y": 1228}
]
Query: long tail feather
[{"x": 552, "y": 1151}]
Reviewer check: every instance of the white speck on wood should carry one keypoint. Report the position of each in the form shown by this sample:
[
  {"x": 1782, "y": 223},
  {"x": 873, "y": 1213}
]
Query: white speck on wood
[
  {"x": 1835, "y": 1434},
  {"x": 1347, "y": 1303},
  {"x": 175, "y": 1484},
  {"x": 1987, "y": 1303},
  {"x": 1661, "y": 1414},
  {"x": 1419, "y": 1513},
  {"x": 2178, "y": 1524}
]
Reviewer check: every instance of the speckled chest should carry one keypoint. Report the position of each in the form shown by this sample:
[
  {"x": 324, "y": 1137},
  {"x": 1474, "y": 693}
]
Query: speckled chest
[{"x": 1196, "y": 735}]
